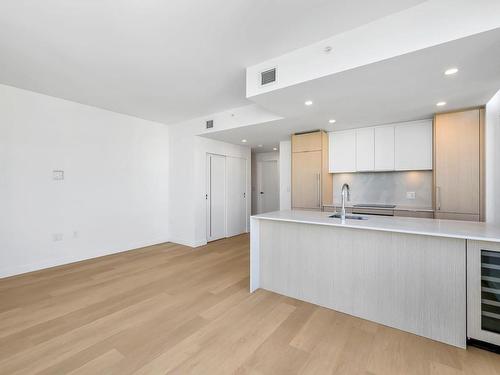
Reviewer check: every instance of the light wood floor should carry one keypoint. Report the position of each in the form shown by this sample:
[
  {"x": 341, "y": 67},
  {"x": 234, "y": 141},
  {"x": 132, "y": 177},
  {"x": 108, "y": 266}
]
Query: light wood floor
[{"x": 172, "y": 309}]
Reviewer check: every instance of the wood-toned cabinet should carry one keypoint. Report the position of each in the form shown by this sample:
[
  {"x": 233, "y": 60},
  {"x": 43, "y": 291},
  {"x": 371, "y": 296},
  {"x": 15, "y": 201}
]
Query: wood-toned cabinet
[
  {"x": 458, "y": 165},
  {"x": 311, "y": 183}
]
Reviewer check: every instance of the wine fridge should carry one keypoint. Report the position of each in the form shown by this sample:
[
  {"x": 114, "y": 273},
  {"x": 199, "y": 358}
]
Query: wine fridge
[{"x": 483, "y": 294}]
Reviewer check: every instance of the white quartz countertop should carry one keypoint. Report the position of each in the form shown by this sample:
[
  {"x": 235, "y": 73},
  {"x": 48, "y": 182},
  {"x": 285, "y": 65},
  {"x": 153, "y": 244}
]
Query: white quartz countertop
[{"x": 429, "y": 227}]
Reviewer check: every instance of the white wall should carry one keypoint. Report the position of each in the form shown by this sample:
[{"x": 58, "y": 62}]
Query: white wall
[
  {"x": 113, "y": 198},
  {"x": 492, "y": 150},
  {"x": 285, "y": 175},
  {"x": 256, "y": 175},
  {"x": 187, "y": 205}
]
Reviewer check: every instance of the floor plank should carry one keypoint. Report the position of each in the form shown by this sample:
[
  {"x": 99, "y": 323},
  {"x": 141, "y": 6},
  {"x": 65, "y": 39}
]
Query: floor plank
[{"x": 173, "y": 309}]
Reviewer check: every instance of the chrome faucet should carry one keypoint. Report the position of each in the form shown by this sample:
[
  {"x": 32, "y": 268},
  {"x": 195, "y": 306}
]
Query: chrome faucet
[{"x": 346, "y": 193}]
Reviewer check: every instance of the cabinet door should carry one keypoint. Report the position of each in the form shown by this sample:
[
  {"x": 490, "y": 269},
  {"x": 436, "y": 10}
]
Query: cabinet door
[
  {"x": 306, "y": 142},
  {"x": 365, "y": 149},
  {"x": 306, "y": 179},
  {"x": 420, "y": 214},
  {"x": 342, "y": 150},
  {"x": 457, "y": 163},
  {"x": 413, "y": 146},
  {"x": 384, "y": 148}
]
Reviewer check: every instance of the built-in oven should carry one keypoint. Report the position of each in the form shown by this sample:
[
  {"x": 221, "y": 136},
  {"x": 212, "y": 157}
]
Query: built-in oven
[{"x": 483, "y": 294}]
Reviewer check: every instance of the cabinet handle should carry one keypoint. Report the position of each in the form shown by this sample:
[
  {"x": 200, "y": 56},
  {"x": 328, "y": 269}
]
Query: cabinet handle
[
  {"x": 438, "y": 198},
  {"x": 318, "y": 181}
]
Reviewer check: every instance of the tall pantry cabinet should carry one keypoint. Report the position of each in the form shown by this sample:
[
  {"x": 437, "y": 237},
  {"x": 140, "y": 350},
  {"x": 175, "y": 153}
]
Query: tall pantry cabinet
[
  {"x": 459, "y": 165},
  {"x": 311, "y": 183}
]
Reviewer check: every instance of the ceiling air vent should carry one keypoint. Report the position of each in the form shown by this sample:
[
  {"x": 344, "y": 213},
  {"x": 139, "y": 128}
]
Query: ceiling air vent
[
  {"x": 210, "y": 124},
  {"x": 267, "y": 77}
]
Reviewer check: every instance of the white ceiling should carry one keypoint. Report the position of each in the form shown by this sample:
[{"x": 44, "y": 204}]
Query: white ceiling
[
  {"x": 162, "y": 60},
  {"x": 399, "y": 89}
]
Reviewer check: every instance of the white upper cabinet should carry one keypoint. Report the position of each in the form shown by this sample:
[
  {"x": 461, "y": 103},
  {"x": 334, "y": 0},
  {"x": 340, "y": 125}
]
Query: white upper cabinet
[
  {"x": 365, "y": 149},
  {"x": 384, "y": 148},
  {"x": 342, "y": 151},
  {"x": 401, "y": 147},
  {"x": 413, "y": 146}
]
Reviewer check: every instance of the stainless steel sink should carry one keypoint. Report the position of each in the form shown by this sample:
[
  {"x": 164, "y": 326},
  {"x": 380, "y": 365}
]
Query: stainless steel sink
[{"x": 352, "y": 217}]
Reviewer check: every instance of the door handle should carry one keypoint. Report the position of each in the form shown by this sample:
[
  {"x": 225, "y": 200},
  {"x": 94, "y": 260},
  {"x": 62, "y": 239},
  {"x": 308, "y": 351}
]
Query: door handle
[{"x": 318, "y": 182}]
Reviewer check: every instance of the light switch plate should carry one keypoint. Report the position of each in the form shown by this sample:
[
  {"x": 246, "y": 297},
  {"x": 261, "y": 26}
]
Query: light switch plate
[
  {"x": 410, "y": 195},
  {"x": 57, "y": 175}
]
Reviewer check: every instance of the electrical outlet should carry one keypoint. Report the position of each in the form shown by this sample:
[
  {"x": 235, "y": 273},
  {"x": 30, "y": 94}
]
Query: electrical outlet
[
  {"x": 57, "y": 237},
  {"x": 57, "y": 175},
  {"x": 410, "y": 195}
]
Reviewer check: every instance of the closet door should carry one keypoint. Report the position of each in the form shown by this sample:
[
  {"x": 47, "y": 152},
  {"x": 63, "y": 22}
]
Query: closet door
[
  {"x": 236, "y": 196},
  {"x": 216, "y": 197}
]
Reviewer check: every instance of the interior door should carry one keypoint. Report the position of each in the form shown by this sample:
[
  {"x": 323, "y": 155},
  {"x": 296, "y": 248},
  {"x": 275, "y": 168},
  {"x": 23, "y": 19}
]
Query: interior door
[
  {"x": 306, "y": 180},
  {"x": 269, "y": 197},
  {"x": 216, "y": 197},
  {"x": 236, "y": 196}
]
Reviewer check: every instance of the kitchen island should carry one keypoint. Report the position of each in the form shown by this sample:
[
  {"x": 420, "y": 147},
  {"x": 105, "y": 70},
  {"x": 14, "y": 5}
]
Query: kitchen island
[{"x": 407, "y": 273}]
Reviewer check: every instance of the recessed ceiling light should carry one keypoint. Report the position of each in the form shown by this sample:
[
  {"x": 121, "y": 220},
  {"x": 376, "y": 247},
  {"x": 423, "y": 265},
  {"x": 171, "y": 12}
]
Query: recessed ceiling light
[
  {"x": 440, "y": 104},
  {"x": 259, "y": 145},
  {"x": 275, "y": 149},
  {"x": 308, "y": 102},
  {"x": 244, "y": 140},
  {"x": 451, "y": 71},
  {"x": 332, "y": 121}
]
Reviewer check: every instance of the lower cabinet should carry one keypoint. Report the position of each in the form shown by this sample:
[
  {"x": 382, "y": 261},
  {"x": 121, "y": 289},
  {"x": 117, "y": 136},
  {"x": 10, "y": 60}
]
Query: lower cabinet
[
  {"x": 455, "y": 216},
  {"x": 420, "y": 214}
]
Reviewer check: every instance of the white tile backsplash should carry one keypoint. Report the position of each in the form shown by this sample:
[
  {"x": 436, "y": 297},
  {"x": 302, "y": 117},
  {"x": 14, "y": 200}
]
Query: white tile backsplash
[{"x": 386, "y": 188}]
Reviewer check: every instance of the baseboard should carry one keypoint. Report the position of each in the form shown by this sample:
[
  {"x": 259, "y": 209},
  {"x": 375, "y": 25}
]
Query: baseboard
[
  {"x": 190, "y": 243},
  {"x": 55, "y": 262}
]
